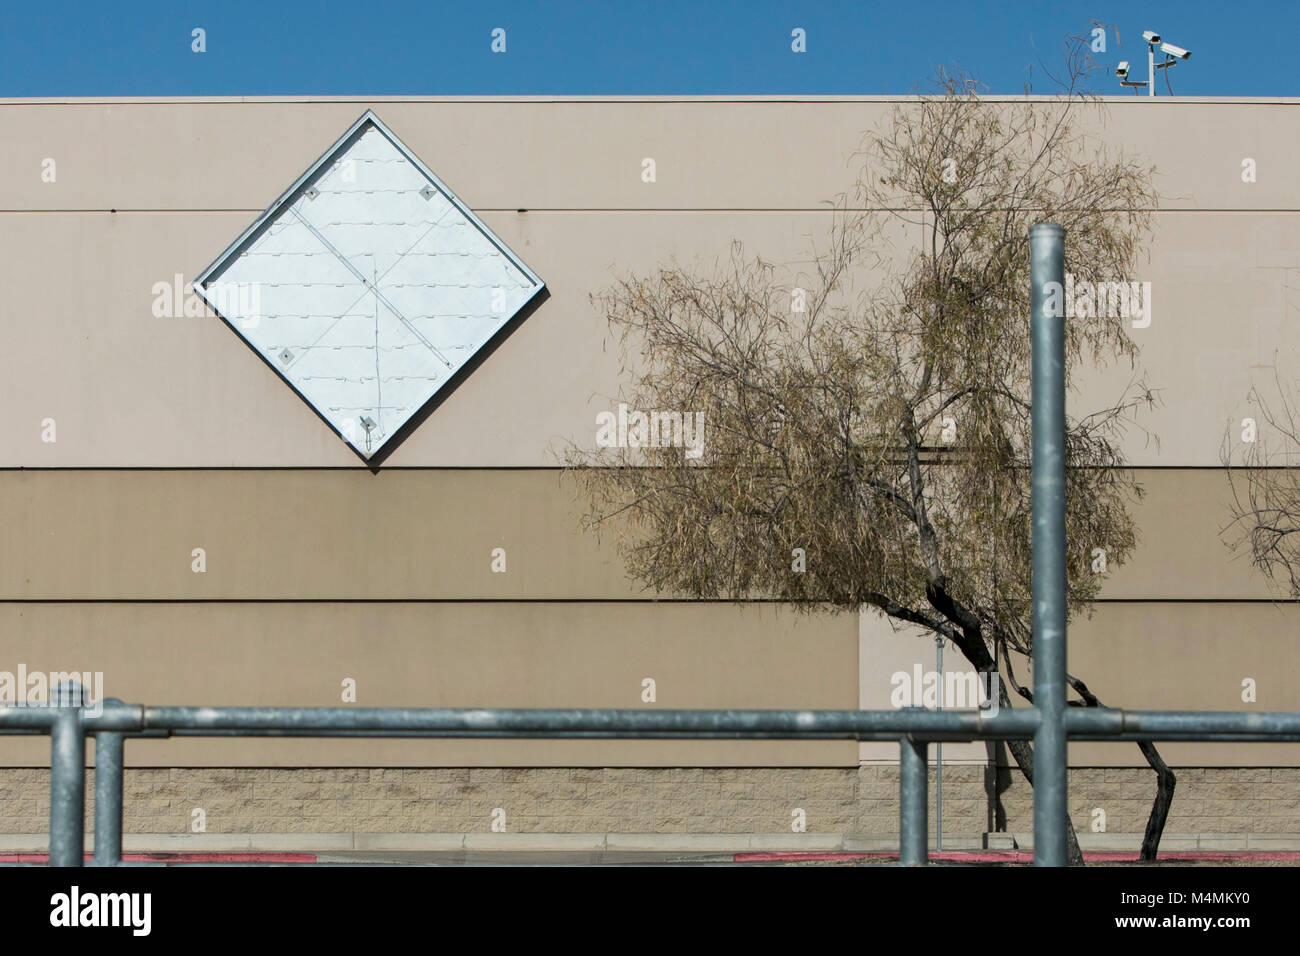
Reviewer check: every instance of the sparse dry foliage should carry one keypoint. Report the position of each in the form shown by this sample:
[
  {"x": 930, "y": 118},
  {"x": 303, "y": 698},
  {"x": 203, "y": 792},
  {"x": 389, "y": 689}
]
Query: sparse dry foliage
[
  {"x": 886, "y": 428},
  {"x": 1265, "y": 487}
]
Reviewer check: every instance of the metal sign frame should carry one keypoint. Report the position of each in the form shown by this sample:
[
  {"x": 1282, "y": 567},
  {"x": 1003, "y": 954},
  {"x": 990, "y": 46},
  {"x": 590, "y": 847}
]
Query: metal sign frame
[{"x": 368, "y": 121}]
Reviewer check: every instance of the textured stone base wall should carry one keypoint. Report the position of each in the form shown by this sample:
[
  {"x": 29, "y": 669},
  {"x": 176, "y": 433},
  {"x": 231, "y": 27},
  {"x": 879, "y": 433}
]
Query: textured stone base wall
[{"x": 671, "y": 800}]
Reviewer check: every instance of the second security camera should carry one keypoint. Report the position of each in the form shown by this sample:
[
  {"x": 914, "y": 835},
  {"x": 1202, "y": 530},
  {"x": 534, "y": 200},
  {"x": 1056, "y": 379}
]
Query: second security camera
[
  {"x": 1175, "y": 51},
  {"x": 1151, "y": 37}
]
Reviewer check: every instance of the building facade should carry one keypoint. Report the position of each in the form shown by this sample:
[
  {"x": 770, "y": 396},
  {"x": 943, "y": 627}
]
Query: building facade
[{"x": 178, "y": 519}]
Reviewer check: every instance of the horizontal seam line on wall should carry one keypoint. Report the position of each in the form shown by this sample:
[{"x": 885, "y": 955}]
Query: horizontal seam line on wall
[
  {"x": 558, "y": 766},
  {"x": 399, "y": 600},
  {"x": 566, "y": 600},
  {"x": 562, "y": 99},
  {"x": 552, "y": 468},
  {"x": 629, "y": 209}
]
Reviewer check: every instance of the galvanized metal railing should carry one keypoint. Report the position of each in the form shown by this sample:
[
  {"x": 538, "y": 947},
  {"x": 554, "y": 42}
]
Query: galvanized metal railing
[
  {"x": 913, "y": 728},
  {"x": 1047, "y": 417},
  {"x": 1049, "y": 723}
]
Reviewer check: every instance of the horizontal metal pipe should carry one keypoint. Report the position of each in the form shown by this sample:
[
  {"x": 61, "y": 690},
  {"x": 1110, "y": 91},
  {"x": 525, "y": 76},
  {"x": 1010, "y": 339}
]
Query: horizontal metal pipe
[
  {"x": 1190, "y": 722},
  {"x": 1259, "y": 737},
  {"x": 28, "y": 719},
  {"x": 304, "y": 732},
  {"x": 593, "y": 735},
  {"x": 1082, "y": 723},
  {"x": 1177, "y": 724},
  {"x": 629, "y": 723},
  {"x": 119, "y": 717},
  {"x": 1202, "y": 738}
]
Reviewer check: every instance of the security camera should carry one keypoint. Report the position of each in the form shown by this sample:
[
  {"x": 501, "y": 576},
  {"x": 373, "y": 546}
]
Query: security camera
[
  {"x": 1151, "y": 37},
  {"x": 1176, "y": 51},
  {"x": 1122, "y": 70}
]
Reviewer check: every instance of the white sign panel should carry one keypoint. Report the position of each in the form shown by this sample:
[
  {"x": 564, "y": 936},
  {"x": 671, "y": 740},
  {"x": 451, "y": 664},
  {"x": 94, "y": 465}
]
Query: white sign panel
[{"x": 368, "y": 285}]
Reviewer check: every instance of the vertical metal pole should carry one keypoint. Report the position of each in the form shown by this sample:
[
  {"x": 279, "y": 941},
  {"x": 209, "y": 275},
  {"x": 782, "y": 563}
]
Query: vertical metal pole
[
  {"x": 1151, "y": 70},
  {"x": 938, "y": 751},
  {"x": 67, "y": 788},
  {"x": 911, "y": 803},
  {"x": 108, "y": 799},
  {"x": 1047, "y": 332}
]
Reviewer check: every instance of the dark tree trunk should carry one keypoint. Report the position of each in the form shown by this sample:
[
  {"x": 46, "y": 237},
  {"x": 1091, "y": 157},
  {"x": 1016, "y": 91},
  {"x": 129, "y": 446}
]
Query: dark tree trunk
[
  {"x": 1165, "y": 783},
  {"x": 1023, "y": 754},
  {"x": 977, "y": 653},
  {"x": 997, "y": 780}
]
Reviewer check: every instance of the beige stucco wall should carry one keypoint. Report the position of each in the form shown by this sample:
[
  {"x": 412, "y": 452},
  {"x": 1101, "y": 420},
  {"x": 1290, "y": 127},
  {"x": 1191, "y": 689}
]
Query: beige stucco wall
[
  {"x": 446, "y": 654},
  {"x": 220, "y": 454},
  {"x": 417, "y": 534},
  {"x": 129, "y": 389}
]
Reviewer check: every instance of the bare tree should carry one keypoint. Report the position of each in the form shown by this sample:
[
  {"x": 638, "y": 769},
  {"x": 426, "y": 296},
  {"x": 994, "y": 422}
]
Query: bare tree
[
  {"x": 1265, "y": 486},
  {"x": 874, "y": 412}
]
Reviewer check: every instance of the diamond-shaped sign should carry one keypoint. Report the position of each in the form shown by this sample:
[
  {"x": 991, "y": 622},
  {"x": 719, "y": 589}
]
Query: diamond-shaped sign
[{"x": 368, "y": 285}]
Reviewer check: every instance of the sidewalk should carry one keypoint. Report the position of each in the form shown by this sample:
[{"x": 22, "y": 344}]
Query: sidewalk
[{"x": 633, "y": 847}]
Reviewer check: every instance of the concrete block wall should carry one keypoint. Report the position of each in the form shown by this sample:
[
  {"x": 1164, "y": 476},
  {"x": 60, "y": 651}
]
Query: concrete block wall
[{"x": 662, "y": 800}]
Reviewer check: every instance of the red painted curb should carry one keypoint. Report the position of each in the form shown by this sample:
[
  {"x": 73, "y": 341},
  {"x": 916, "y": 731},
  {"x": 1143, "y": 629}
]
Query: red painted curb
[
  {"x": 177, "y": 857},
  {"x": 1017, "y": 856}
]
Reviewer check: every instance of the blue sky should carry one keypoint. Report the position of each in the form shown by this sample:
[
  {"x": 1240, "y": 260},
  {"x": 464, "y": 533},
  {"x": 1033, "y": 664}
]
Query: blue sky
[{"x": 412, "y": 48}]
